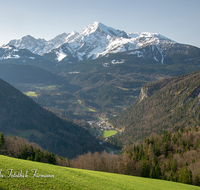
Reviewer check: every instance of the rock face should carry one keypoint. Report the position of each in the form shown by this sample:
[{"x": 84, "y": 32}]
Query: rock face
[
  {"x": 193, "y": 94},
  {"x": 143, "y": 93},
  {"x": 148, "y": 89}
]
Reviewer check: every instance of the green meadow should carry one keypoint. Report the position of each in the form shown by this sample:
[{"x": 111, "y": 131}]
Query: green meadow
[
  {"x": 134, "y": 89},
  {"x": 70, "y": 178},
  {"x": 52, "y": 87},
  {"x": 31, "y": 94},
  {"x": 83, "y": 107},
  {"x": 109, "y": 133},
  {"x": 122, "y": 88}
]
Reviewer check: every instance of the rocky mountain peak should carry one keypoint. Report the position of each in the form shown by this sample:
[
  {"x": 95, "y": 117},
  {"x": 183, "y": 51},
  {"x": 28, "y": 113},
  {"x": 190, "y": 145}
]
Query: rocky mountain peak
[{"x": 98, "y": 40}]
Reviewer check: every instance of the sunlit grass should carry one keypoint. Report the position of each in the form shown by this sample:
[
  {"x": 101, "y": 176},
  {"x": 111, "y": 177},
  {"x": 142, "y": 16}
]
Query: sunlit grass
[
  {"x": 70, "y": 178},
  {"x": 134, "y": 89},
  {"x": 31, "y": 94},
  {"x": 79, "y": 101},
  {"x": 109, "y": 133},
  {"x": 84, "y": 107},
  {"x": 122, "y": 88},
  {"x": 92, "y": 110},
  {"x": 51, "y": 87}
]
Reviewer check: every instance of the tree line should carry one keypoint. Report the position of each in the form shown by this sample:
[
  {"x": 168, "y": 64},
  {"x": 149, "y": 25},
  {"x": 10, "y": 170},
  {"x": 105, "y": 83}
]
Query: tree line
[
  {"x": 168, "y": 156},
  {"x": 19, "y": 147}
]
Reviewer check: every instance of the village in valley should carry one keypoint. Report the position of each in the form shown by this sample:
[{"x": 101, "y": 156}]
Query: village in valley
[
  {"x": 102, "y": 123},
  {"x": 102, "y": 129}
]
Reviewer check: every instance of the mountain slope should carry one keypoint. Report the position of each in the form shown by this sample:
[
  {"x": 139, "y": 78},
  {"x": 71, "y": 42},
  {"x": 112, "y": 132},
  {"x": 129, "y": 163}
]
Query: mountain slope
[
  {"x": 20, "y": 115},
  {"x": 28, "y": 74},
  {"x": 163, "y": 105},
  {"x": 10, "y": 54},
  {"x": 97, "y": 40}
]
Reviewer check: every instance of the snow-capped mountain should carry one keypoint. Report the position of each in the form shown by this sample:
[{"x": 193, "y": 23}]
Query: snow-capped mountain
[
  {"x": 39, "y": 46},
  {"x": 98, "y": 40},
  {"x": 95, "y": 41},
  {"x": 11, "y": 52},
  {"x": 11, "y": 55}
]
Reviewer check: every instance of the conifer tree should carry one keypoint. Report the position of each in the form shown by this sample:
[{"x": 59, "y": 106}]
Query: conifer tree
[
  {"x": 185, "y": 176},
  {"x": 25, "y": 154},
  {"x": 2, "y": 140},
  {"x": 145, "y": 171},
  {"x": 174, "y": 166},
  {"x": 170, "y": 178}
]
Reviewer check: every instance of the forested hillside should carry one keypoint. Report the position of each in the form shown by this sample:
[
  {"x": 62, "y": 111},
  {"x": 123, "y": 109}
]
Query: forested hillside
[
  {"x": 21, "y": 116},
  {"x": 168, "y": 156},
  {"x": 164, "y": 105}
]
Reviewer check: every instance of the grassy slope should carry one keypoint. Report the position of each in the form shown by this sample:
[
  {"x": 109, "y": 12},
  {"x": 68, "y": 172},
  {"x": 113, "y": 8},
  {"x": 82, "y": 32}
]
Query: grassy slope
[{"x": 70, "y": 178}]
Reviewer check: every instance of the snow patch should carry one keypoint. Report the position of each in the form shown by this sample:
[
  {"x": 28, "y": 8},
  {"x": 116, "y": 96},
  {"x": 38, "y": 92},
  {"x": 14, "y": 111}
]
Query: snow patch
[
  {"x": 117, "y": 62},
  {"x": 105, "y": 64},
  {"x": 138, "y": 53},
  {"x": 7, "y": 47},
  {"x": 74, "y": 72},
  {"x": 31, "y": 58},
  {"x": 12, "y": 57},
  {"x": 60, "y": 55},
  {"x": 155, "y": 58},
  {"x": 80, "y": 56}
]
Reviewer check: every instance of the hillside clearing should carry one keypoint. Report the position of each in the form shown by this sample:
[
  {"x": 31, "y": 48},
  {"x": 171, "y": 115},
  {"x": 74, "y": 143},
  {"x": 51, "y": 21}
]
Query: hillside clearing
[{"x": 31, "y": 94}]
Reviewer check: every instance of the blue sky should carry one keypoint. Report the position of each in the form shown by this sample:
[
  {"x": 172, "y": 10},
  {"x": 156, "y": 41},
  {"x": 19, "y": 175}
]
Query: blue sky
[{"x": 178, "y": 20}]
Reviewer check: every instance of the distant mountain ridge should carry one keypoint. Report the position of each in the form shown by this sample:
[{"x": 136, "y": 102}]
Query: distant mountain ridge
[{"x": 97, "y": 40}]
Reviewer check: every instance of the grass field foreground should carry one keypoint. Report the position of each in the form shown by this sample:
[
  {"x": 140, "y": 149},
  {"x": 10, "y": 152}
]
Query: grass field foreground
[{"x": 70, "y": 178}]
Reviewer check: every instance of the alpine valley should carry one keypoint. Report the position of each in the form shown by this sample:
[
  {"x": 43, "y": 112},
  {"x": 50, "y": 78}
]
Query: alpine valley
[{"x": 97, "y": 73}]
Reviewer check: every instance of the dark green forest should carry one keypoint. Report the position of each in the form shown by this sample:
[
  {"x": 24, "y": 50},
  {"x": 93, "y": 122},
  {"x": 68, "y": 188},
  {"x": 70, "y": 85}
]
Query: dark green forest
[{"x": 21, "y": 116}]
